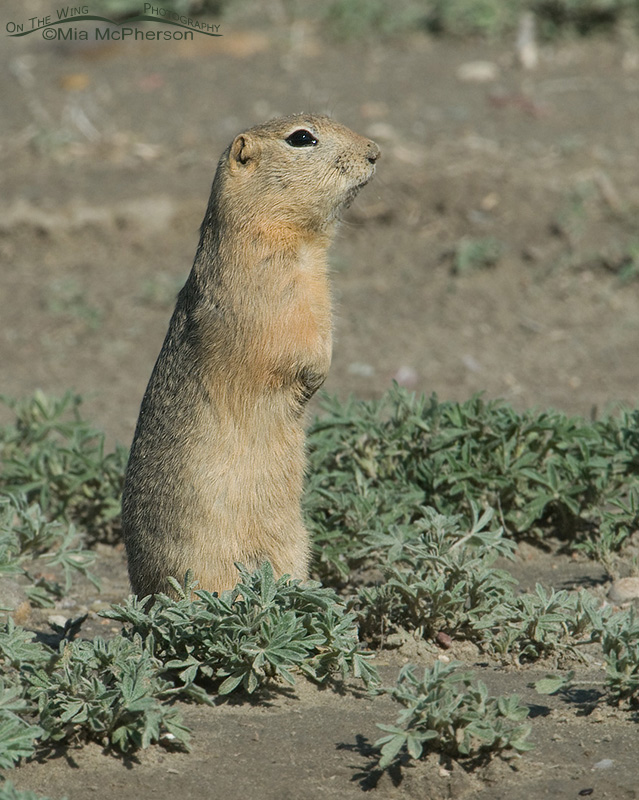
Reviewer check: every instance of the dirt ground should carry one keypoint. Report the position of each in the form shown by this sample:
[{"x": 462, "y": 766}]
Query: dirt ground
[{"x": 107, "y": 152}]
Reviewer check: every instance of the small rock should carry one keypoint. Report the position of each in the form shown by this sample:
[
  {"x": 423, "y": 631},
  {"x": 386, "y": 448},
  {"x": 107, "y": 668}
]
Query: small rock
[
  {"x": 382, "y": 131},
  {"x": 605, "y": 763},
  {"x": 624, "y": 590},
  {"x": 75, "y": 82},
  {"x": 478, "y": 72},
  {"x": 406, "y": 376},
  {"x": 471, "y": 363},
  {"x": 490, "y": 201},
  {"x": 373, "y": 109},
  {"x": 361, "y": 370}
]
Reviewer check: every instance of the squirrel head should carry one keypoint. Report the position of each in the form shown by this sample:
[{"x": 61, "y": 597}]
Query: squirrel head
[{"x": 294, "y": 172}]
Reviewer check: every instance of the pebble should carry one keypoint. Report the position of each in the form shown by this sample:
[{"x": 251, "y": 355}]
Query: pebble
[
  {"x": 478, "y": 72},
  {"x": 406, "y": 376},
  {"x": 471, "y": 363},
  {"x": 361, "y": 370},
  {"x": 382, "y": 131},
  {"x": 624, "y": 590}
]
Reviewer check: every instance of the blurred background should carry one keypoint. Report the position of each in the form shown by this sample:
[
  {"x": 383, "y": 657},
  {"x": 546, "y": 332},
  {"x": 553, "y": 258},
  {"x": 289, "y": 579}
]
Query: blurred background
[{"x": 496, "y": 250}]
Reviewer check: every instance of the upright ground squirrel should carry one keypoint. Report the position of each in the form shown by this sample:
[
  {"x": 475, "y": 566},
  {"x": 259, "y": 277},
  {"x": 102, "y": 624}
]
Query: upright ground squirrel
[{"x": 217, "y": 464}]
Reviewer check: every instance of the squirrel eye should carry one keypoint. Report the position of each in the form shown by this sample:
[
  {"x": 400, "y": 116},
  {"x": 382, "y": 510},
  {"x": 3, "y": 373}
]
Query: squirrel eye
[{"x": 301, "y": 138}]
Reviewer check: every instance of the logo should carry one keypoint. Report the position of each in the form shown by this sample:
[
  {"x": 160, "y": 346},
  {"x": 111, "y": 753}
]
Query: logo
[{"x": 61, "y": 25}]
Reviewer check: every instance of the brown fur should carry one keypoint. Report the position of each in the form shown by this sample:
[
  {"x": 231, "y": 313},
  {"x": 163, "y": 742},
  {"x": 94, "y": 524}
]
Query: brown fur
[{"x": 217, "y": 463}]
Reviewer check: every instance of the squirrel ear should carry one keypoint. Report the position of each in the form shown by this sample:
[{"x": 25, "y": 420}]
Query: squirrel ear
[{"x": 243, "y": 150}]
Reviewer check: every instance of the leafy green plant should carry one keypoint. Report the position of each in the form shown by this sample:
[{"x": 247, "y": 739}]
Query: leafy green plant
[
  {"x": 542, "y": 623},
  {"x": 109, "y": 691},
  {"x": 620, "y": 645},
  {"x": 474, "y": 254},
  {"x": 17, "y": 735},
  {"x": 619, "y": 636},
  {"x": 117, "y": 692},
  {"x": 445, "y": 711},
  {"x": 376, "y": 464},
  {"x": 18, "y": 650},
  {"x": 261, "y": 630},
  {"x": 582, "y": 16},
  {"x": 53, "y": 457},
  {"x": 9, "y": 792},
  {"x": 438, "y": 576},
  {"x": 354, "y": 18},
  {"x": 491, "y": 19},
  {"x": 410, "y": 502},
  {"x": 28, "y": 538}
]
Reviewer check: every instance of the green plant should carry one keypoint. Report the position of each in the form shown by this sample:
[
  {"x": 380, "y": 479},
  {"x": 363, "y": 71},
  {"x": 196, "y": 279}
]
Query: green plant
[
  {"x": 542, "y": 623},
  {"x": 410, "y": 502},
  {"x": 582, "y": 16},
  {"x": 110, "y": 691},
  {"x": 262, "y": 630},
  {"x": 474, "y": 254},
  {"x": 17, "y": 735},
  {"x": 619, "y": 637},
  {"x": 18, "y": 650},
  {"x": 55, "y": 458},
  {"x": 353, "y": 18},
  {"x": 445, "y": 711},
  {"x": 491, "y": 19},
  {"x": 9, "y": 792},
  {"x": 107, "y": 691},
  {"x": 438, "y": 576},
  {"x": 117, "y": 692},
  {"x": 376, "y": 464},
  {"x": 620, "y": 645},
  {"x": 28, "y": 538}
]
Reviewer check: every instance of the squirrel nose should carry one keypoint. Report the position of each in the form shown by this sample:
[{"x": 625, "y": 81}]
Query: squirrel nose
[{"x": 373, "y": 152}]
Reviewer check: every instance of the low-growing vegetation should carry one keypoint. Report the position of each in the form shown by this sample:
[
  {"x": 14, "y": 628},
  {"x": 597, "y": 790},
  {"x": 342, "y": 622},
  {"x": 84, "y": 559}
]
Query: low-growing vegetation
[
  {"x": 53, "y": 457},
  {"x": 376, "y": 465},
  {"x": 488, "y": 18},
  {"x": 117, "y": 692},
  {"x": 451, "y": 711},
  {"x": 261, "y": 630},
  {"x": 9, "y": 792},
  {"x": 416, "y": 507}
]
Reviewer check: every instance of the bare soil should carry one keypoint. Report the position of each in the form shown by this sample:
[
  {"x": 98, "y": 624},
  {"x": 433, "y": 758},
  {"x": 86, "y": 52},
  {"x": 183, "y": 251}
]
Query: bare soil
[{"x": 107, "y": 153}]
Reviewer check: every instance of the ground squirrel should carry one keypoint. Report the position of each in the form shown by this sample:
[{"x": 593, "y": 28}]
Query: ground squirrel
[{"x": 217, "y": 463}]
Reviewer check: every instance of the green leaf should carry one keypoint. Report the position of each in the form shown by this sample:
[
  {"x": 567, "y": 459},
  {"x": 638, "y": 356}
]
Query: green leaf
[{"x": 550, "y": 684}]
